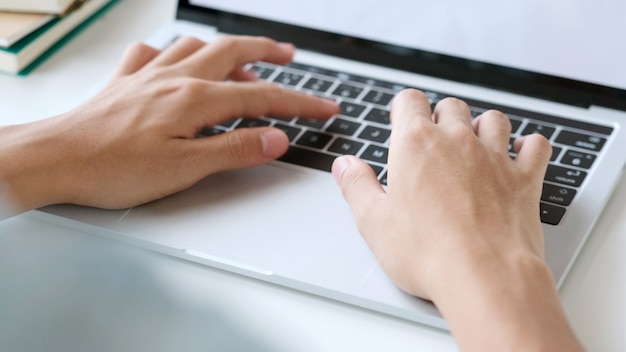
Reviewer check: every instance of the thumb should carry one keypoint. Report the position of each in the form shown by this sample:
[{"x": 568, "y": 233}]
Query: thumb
[
  {"x": 241, "y": 148},
  {"x": 359, "y": 186}
]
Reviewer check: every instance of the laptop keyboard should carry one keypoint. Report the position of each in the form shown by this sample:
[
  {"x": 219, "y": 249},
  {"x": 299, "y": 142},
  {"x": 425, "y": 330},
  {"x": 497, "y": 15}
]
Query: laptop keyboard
[{"x": 362, "y": 128}]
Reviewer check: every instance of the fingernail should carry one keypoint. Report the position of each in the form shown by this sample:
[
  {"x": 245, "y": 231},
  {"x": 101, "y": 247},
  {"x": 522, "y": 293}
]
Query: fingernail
[
  {"x": 288, "y": 47},
  {"x": 339, "y": 166},
  {"x": 330, "y": 104},
  {"x": 273, "y": 142}
]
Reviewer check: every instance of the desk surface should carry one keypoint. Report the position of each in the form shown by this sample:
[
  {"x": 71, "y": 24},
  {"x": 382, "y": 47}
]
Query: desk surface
[{"x": 61, "y": 288}]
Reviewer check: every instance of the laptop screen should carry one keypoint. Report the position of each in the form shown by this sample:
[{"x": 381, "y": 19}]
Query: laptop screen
[{"x": 577, "y": 40}]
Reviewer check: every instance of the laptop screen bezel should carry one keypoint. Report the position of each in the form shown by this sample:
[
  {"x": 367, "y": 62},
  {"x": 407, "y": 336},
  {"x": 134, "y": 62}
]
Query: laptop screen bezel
[{"x": 553, "y": 88}]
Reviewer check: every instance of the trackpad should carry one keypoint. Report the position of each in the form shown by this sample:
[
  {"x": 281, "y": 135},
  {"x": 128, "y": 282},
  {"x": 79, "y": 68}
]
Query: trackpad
[{"x": 276, "y": 217}]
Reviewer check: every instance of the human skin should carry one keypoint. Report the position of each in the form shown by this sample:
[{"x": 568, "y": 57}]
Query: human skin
[
  {"x": 136, "y": 141},
  {"x": 459, "y": 224}
]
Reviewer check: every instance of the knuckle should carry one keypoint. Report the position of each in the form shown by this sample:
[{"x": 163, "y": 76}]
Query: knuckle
[
  {"x": 189, "y": 40},
  {"x": 452, "y": 101},
  {"x": 237, "y": 146},
  {"x": 498, "y": 117}
]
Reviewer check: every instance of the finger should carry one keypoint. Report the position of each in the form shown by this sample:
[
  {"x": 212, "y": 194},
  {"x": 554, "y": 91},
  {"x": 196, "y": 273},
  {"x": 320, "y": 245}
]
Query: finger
[
  {"x": 410, "y": 106},
  {"x": 494, "y": 130},
  {"x": 410, "y": 120},
  {"x": 241, "y": 148},
  {"x": 359, "y": 187},
  {"x": 136, "y": 56},
  {"x": 452, "y": 110},
  {"x": 253, "y": 99},
  {"x": 218, "y": 60},
  {"x": 533, "y": 153},
  {"x": 242, "y": 75},
  {"x": 179, "y": 50}
]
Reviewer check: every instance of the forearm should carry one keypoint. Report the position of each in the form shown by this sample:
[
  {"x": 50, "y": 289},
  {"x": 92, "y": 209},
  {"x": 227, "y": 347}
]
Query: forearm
[
  {"x": 30, "y": 165},
  {"x": 511, "y": 306}
]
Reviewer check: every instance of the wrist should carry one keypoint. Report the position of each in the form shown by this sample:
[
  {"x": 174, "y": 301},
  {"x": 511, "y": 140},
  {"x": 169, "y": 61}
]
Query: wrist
[
  {"x": 31, "y": 165},
  {"x": 512, "y": 297}
]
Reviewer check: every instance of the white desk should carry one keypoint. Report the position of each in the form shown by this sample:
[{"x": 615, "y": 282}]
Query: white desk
[{"x": 60, "y": 287}]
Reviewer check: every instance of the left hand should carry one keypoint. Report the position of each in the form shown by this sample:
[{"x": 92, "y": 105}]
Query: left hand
[{"x": 135, "y": 141}]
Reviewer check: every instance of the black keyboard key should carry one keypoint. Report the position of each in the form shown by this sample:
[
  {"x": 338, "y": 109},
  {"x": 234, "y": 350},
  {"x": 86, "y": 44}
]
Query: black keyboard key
[
  {"x": 375, "y": 134},
  {"x": 383, "y": 179},
  {"x": 580, "y": 140},
  {"x": 537, "y": 128},
  {"x": 345, "y": 146},
  {"x": 377, "y": 169},
  {"x": 565, "y": 176},
  {"x": 351, "y": 109},
  {"x": 262, "y": 72},
  {"x": 314, "y": 139},
  {"x": 515, "y": 124},
  {"x": 228, "y": 123},
  {"x": 555, "y": 153},
  {"x": 317, "y": 84},
  {"x": 551, "y": 214},
  {"x": 290, "y": 131},
  {"x": 575, "y": 158},
  {"x": 377, "y": 97},
  {"x": 378, "y": 115},
  {"x": 288, "y": 78},
  {"x": 308, "y": 158},
  {"x": 315, "y": 123},
  {"x": 376, "y": 153},
  {"x": 347, "y": 91},
  {"x": 246, "y": 123},
  {"x": 343, "y": 127},
  {"x": 313, "y": 69},
  {"x": 557, "y": 194},
  {"x": 209, "y": 131}
]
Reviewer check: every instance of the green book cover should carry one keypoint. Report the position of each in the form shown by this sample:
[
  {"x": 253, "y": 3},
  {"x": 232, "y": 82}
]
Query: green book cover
[{"x": 24, "y": 43}]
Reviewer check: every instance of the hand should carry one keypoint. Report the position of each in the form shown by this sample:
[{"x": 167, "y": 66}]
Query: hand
[
  {"x": 451, "y": 183},
  {"x": 459, "y": 222},
  {"x": 135, "y": 141}
]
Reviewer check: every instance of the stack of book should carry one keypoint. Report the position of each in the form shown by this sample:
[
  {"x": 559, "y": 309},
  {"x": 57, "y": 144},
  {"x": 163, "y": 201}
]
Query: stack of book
[{"x": 32, "y": 29}]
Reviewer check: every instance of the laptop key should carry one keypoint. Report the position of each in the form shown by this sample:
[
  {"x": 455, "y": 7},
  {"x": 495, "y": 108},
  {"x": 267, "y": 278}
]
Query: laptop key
[
  {"x": 343, "y": 127},
  {"x": 290, "y": 131},
  {"x": 315, "y": 123},
  {"x": 246, "y": 123},
  {"x": 551, "y": 214},
  {"x": 565, "y": 176},
  {"x": 377, "y": 97},
  {"x": 209, "y": 131},
  {"x": 376, "y": 153},
  {"x": 345, "y": 146},
  {"x": 375, "y": 134},
  {"x": 317, "y": 84},
  {"x": 262, "y": 72},
  {"x": 557, "y": 194},
  {"x": 515, "y": 124},
  {"x": 537, "y": 128},
  {"x": 347, "y": 91},
  {"x": 378, "y": 115},
  {"x": 314, "y": 139},
  {"x": 580, "y": 140},
  {"x": 377, "y": 169},
  {"x": 576, "y": 158},
  {"x": 288, "y": 78},
  {"x": 351, "y": 109},
  {"x": 308, "y": 158}
]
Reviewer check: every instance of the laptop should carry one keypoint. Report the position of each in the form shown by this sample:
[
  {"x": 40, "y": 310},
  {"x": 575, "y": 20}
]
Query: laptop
[{"x": 287, "y": 223}]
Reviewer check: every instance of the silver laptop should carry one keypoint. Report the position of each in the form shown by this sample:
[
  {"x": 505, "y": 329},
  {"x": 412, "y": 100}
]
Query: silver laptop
[{"x": 286, "y": 222}]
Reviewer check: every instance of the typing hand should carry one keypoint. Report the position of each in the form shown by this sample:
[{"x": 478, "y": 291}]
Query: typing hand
[
  {"x": 459, "y": 224},
  {"x": 135, "y": 141}
]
